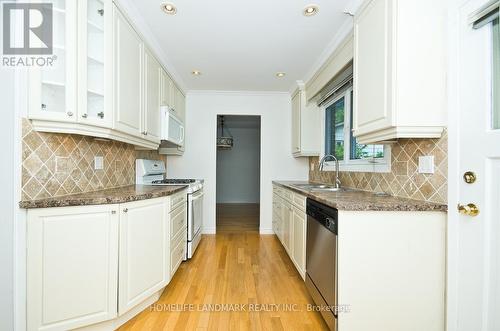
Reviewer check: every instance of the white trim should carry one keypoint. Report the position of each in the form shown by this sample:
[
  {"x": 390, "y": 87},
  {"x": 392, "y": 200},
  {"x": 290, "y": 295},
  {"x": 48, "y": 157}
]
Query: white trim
[
  {"x": 365, "y": 165},
  {"x": 91, "y": 130},
  {"x": 452, "y": 240},
  {"x": 208, "y": 230},
  {"x": 245, "y": 93},
  {"x": 130, "y": 10},
  {"x": 266, "y": 231},
  {"x": 337, "y": 40}
]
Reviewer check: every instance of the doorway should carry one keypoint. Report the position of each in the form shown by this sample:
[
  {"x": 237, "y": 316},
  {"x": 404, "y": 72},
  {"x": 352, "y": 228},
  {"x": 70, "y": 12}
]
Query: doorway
[{"x": 238, "y": 173}]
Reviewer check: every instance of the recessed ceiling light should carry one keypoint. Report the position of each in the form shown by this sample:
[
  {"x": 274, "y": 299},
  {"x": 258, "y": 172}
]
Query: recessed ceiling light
[
  {"x": 280, "y": 74},
  {"x": 311, "y": 10},
  {"x": 169, "y": 8},
  {"x": 196, "y": 72}
]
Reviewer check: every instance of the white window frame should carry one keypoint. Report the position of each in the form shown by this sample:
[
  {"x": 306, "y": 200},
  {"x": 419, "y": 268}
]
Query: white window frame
[{"x": 363, "y": 165}]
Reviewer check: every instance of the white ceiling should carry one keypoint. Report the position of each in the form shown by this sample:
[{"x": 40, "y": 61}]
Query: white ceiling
[{"x": 239, "y": 45}]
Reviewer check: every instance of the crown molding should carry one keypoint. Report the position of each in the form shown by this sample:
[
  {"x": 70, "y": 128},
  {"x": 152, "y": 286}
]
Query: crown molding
[
  {"x": 129, "y": 8},
  {"x": 235, "y": 93}
]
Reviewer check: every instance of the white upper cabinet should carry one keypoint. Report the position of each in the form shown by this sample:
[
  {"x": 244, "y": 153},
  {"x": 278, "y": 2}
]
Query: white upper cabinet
[
  {"x": 105, "y": 81},
  {"x": 128, "y": 77},
  {"x": 72, "y": 266},
  {"x": 152, "y": 93},
  {"x": 144, "y": 251},
  {"x": 399, "y": 70},
  {"x": 52, "y": 89},
  {"x": 95, "y": 62},
  {"x": 166, "y": 89},
  {"x": 305, "y": 126}
]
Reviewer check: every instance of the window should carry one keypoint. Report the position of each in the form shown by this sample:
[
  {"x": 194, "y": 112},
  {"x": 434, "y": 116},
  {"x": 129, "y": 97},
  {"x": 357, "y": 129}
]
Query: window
[{"x": 340, "y": 142}]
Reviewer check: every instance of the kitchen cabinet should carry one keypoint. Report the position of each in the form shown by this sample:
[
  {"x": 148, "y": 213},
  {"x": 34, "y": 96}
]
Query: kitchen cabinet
[
  {"x": 178, "y": 230},
  {"x": 128, "y": 77},
  {"x": 72, "y": 266},
  {"x": 152, "y": 92},
  {"x": 101, "y": 265},
  {"x": 305, "y": 125},
  {"x": 53, "y": 89},
  {"x": 144, "y": 251},
  {"x": 299, "y": 221},
  {"x": 399, "y": 85},
  {"x": 166, "y": 89},
  {"x": 290, "y": 223},
  {"x": 95, "y": 62},
  {"x": 105, "y": 82}
]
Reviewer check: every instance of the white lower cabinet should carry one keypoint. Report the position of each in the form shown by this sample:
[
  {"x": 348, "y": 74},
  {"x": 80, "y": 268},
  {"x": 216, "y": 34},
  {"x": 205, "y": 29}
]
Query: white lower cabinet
[
  {"x": 289, "y": 225},
  {"x": 72, "y": 266},
  {"x": 299, "y": 240},
  {"x": 94, "y": 265},
  {"x": 144, "y": 254},
  {"x": 178, "y": 231}
]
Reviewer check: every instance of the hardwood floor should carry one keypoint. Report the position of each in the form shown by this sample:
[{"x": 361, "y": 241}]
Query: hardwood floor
[
  {"x": 237, "y": 217},
  {"x": 250, "y": 274}
]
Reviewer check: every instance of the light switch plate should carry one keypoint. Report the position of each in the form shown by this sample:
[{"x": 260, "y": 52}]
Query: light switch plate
[
  {"x": 426, "y": 164},
  {"x": 98, "y": 163}
]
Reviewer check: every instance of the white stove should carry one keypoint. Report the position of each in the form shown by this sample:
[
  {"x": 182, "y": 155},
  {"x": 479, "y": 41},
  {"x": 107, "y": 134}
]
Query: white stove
[{"x": 153, "y": 172}]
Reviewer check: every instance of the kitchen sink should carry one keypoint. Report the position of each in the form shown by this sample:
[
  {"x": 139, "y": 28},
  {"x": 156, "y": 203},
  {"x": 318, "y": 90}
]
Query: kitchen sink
[{"x": 321, "y": 187}]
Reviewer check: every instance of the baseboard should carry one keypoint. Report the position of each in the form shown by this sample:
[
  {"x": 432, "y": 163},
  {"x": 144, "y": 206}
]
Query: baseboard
[
  {"x": 266, "y": 231},
  {"x": 209, "y": 231},
  {"x": 120, "y": 320}
]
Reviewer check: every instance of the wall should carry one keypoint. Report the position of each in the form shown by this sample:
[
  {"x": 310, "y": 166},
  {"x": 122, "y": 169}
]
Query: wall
[
  {"x": 404, "y": 179},
  {"x": 238, "y": 169},
  {"x": 7, "y": 200},
  {"x": 276, "y": 162},
  {"x": 58, "y": 164}
]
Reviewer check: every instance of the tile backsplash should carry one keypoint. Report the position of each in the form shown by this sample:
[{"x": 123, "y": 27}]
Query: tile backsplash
[
  {"x": 404, "y": 180},
  {"x": 57, "y": 164}
]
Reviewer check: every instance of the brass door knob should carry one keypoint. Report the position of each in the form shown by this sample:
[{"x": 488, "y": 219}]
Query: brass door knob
[{"x": 469, "y": 209}]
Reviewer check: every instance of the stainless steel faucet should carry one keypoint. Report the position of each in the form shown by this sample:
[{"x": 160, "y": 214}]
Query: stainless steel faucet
[{"x": 322, "y": 164}]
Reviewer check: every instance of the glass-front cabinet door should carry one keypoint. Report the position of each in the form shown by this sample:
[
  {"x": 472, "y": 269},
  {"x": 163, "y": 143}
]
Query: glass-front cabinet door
[
  {"x": 95, "y": 62},
  {"x": 52, "y": 94}
]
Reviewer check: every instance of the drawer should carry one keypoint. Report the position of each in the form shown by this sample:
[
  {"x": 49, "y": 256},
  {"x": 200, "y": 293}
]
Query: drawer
[
  {"x": 176, "y": 256},
  {"x": 299, "y": 201},
  {"x": 180, "y": 236},
  {"x": 178, "y": 199},
  {"x": 287, "y": 194},
  {"x": 178, "y": 221}
]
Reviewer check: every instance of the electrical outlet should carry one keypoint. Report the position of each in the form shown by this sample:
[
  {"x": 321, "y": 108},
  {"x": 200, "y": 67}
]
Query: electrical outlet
[
  {"x": 98, "y": 163},
  {"x": 426, "y": 164}
]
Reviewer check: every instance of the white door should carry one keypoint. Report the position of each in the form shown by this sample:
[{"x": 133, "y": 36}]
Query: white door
[
  {"x": 474, "y": 241},
  {"x": 53, "y": 89},
  {"x": 72, "y": 266},
  {"x": 127, "y": 76},
  {"x": 372, "y": 60},
  {"x": 299, "y": 239},
  {"x": 95, "y": 62},
  {"x": 144, "y": 251},
  {"x": 152, "y": 91}
]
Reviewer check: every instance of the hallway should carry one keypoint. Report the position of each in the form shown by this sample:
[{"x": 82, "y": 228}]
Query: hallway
[{"x": 235, "y": 266}]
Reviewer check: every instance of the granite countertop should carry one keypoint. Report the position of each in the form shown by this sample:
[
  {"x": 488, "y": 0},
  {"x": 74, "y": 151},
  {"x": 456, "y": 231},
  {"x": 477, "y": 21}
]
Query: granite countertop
[
  {"x": 357, "y": 200},
  {"x": 102, "y": 197}
]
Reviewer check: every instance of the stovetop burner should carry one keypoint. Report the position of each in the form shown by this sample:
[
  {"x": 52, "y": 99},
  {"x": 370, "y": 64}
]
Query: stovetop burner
[{"x": 174, "y": 181}]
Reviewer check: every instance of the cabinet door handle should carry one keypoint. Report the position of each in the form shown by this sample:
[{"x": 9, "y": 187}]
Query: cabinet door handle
[
  {"x": 101, "y": 114},
  {"x": 113, "y": 212},
  {"x": 125, "y": 210},
  {"x": 84, "y": 115},
  {"x": 70, "y": 113}
]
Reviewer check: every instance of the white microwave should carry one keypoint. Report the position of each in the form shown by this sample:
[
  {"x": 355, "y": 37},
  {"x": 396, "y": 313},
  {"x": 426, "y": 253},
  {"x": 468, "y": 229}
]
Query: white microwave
[{"x": 172, "y": 128}]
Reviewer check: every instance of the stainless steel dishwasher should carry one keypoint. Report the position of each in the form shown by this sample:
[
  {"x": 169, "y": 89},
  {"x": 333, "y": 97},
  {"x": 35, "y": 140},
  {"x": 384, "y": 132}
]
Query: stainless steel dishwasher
[{"x": 321, "y": 259}]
